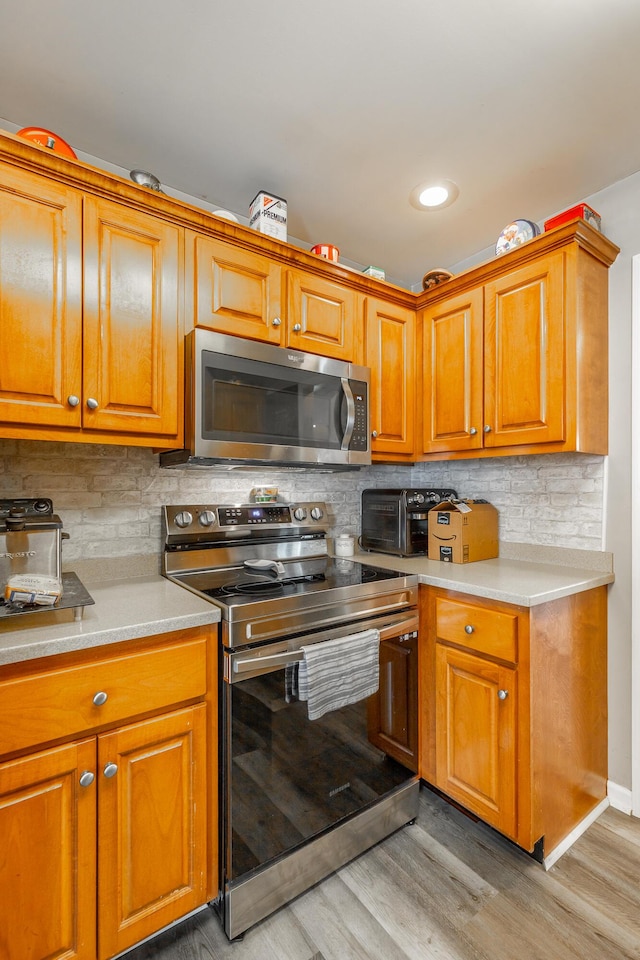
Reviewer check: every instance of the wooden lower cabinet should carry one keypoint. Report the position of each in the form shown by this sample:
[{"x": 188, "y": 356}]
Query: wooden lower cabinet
[
  {"x": 513, "y": 710},
  {"x": 48, "y": 862},
  {"x": 392, "y": 712},
  {"x": 476, "y": 758},
  {"x": 105, "y": 840}
]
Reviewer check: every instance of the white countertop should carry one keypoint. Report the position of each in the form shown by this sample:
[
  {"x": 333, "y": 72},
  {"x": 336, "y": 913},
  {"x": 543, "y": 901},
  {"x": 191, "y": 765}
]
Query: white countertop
[
  {"x": 150, "y": 605},
  {"x": 522, "y": 582},
  {"x": 123, "y": 610}
]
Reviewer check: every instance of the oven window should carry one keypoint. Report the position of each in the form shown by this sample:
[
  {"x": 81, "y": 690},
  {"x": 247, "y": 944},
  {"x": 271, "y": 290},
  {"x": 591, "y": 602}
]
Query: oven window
[
  {"x": 258, "y": 402},
  {"x": 290, "y": 778}
]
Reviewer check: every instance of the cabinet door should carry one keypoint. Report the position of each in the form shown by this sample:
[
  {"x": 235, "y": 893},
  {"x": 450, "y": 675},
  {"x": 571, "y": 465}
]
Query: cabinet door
[
  {"x": 392, "y": 712},
  {"x": 476, "y": 704},
  {"x": 390, "y": 333},
  {"x": 40, "y": 300},
  {"x": 452, "y": 361},
  {"x": 321, "y": 316},
  {"x": 524, "y": 347},
  {"x": 47, "y": 855},
  {"x": 133, "y": 337},
  {"x": 152, "y": 840},
  {"x": 234, "y": 291}
]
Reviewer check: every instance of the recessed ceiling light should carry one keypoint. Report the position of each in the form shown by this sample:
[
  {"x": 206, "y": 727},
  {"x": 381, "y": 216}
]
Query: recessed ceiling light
[{"x": 434, "y": 195}]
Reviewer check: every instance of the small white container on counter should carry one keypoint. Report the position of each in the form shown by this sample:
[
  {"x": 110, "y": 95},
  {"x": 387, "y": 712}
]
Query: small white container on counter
[{"x": 344, "y": 545}]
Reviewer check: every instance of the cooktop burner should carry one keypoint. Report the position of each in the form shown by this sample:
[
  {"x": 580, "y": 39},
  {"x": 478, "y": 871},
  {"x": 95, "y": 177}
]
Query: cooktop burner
[{"x": 232, "y": 587}]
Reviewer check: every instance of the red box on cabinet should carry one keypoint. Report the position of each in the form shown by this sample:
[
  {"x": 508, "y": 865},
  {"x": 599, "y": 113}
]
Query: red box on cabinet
[{"x": 580, "y": 210}]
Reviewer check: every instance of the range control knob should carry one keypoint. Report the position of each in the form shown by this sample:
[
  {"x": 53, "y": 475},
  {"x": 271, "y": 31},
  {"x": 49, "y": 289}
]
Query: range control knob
[
  {"x": 417, "y": 498},
  {"x": 183, "y": 519},
  {"x": 207, "y": 518},
  {"x": 316, "y": 513},
  {"x": 300, "y": 513},
  {"x": 434, "y": 497}
]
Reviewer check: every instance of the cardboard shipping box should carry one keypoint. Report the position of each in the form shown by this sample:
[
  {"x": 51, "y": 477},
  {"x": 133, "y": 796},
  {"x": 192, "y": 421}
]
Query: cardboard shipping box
[{"x": 464, "y": 531}]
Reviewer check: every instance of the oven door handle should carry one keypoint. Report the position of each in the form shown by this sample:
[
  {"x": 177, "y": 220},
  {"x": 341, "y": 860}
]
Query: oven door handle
[{"x": 273, "y": 661}]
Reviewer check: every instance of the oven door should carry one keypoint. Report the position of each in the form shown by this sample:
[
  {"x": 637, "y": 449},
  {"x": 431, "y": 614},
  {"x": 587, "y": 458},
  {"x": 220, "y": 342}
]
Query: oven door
[{"x": 287, "y": 780}]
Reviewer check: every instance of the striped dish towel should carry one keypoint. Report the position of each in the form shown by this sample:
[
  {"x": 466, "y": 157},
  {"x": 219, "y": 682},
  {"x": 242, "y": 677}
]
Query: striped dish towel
[{"x": 338, "y": 672}]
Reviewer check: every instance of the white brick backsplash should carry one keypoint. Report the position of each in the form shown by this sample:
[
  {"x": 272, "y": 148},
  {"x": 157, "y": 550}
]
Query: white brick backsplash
[{"x": 110, "y": 498}]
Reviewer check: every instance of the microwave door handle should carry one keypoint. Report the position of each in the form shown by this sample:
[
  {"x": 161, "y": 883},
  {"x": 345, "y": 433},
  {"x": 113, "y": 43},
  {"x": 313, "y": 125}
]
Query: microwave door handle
[{"x": 351, "y": 414}]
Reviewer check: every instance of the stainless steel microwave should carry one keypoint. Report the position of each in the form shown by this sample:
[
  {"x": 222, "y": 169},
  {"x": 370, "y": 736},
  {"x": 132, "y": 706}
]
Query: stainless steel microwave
[{"x": 250, "y": 403}]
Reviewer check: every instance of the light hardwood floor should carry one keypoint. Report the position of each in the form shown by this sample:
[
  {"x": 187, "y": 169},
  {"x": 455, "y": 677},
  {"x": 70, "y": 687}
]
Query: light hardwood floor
[{"x": 447, "y": 888}]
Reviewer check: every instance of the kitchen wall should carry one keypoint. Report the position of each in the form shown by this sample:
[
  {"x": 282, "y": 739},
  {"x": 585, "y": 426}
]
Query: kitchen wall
[{"x": 109, "y": 498}]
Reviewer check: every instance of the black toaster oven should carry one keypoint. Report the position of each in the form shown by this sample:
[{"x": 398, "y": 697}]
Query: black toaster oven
[{"x": 397, "y": 520}]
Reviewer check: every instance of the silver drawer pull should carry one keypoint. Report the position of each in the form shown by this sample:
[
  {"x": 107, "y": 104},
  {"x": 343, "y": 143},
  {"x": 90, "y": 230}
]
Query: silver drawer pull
[
  {"x": 469, "y": 629},
  {"x": 503, "y": 694},
  {"x": 99, "y": 698},
  {"x": 86, "y": 778},
  {"x": 110, "y": 770}
]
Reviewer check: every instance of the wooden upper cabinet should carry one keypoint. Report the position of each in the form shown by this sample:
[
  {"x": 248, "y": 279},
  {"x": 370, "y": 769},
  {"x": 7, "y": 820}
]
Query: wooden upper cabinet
[
  {"x": 514, "y": 352},
  {"x": 133, "y": 343},
  {"x": 40, "y": 300},
  {"x": 452, "y": 371},
  {"x": 524, "y": 355},
  {"x": 233, "y": 290},
  {"x": 246, "y": 294},
  {"x": 389, "y": 338},
  {"x": 321, "y": 316},
  {"x": 90, "y": 316}
]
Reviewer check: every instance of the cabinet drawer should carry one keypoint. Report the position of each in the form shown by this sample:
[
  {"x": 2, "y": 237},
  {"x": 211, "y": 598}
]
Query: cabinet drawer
[
  {"x": 492, "y": 632},
  {"x": 57, "y": 703}
]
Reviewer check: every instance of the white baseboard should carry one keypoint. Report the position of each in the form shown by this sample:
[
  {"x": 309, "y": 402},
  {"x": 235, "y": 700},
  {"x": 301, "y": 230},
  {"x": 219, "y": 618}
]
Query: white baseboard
[
  {"x": 571, "y": 838},
  {"x": 620, "y": 798}
]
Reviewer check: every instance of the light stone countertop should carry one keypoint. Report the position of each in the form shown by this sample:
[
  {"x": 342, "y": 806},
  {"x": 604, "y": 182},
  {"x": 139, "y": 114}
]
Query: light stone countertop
[
  {"x": 123, "y": 610},
  {"x": 140, "y": 606},
  {"x": 524, "y": 582}
]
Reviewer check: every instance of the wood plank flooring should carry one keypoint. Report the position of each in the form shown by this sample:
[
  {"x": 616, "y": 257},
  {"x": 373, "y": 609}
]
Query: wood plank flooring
[{"x": 447, "y": 888}]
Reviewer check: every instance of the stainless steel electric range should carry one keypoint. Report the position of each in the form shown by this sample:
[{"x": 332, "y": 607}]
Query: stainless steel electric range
[{"x": 299, "y": 797}]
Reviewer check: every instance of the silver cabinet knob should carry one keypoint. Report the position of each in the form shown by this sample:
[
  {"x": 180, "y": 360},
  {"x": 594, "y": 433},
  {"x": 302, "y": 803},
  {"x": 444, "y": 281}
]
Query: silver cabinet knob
[
  {"x": 99, "y": 698},
  {"x": 92, "y": 403},
  {"x": 503, "y": 694},
  {"x": 297, "y": 327},
  {"x": 472, "y": 432},
  {"x": 86, "y": 778},
  {"x": 374, "y": 434},
  {"x": 487, "y": 428},
  {"x": 73, "y": 401},
  {"x": 469, "y": 628},
  {"x": 110, "y": 770},
  {"x": 276, "y": 322}
]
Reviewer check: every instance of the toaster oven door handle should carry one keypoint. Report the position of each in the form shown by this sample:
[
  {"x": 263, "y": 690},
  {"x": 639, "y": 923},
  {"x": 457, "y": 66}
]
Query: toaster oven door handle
[{"x": 351, "y": 414}]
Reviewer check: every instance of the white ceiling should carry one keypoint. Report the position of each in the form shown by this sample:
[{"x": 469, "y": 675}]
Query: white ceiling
[{"x": 342, "y": 107}]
